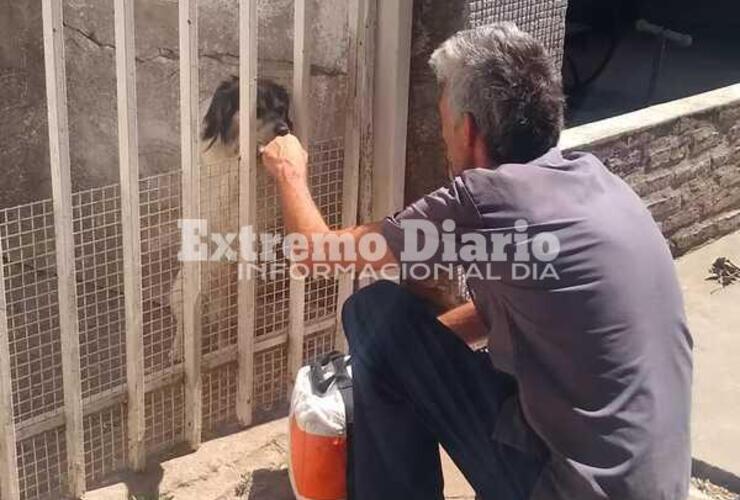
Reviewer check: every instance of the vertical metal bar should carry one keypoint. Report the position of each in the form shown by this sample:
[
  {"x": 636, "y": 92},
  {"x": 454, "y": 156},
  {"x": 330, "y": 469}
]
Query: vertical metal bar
[
  {"x": 56, "y": 94},
  {"x": 247, "y": 200},
  {"x": 191, "y": 277},
  {"x": 358, "y": 143},
  {"x": 365, "y": 76},
  {"x": 392, "y": 79},
  {"x": 9, "y": 489},
  {"x": 128, "y": 164},
  {"x": 302, "y": 71},
  {"x": 301, "y": 100}
]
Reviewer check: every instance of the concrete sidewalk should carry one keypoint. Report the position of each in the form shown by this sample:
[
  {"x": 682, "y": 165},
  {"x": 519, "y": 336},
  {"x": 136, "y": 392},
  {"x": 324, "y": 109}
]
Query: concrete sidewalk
[
  {"x": 249, "y": 465},
  {"x": 714, "y": 319}
]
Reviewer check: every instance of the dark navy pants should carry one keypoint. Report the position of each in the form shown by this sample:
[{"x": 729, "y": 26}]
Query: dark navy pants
[{"x": 416, "y": 386}]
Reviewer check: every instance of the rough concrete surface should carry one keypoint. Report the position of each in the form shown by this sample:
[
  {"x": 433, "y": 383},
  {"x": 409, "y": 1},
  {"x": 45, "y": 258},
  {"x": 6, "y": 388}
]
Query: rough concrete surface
[
  {"x": 714, "y": 319},
  {"x": 90, "y": 65},
  {"x": 251, "y": 465},
  {"x": 214, "y": 471}
]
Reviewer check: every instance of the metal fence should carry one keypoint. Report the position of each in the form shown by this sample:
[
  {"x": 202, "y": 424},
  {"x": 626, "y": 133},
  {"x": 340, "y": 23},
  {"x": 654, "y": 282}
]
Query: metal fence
[
  {"x": 94, "y": 375},
  {"x": 545, "y": 19}
]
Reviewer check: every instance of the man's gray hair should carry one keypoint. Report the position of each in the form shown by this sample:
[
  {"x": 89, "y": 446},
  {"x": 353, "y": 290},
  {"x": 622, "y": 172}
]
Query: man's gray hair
[{"x": 508, "y": 82}]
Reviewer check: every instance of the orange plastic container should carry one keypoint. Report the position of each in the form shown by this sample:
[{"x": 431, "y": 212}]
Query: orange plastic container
[
  {"x": 319, "y": 413},
  {"x": 318, "y": 465}
]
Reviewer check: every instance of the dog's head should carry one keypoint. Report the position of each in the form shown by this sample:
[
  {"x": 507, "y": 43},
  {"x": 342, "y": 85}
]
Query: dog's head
[{"x": 221, "y": 122}]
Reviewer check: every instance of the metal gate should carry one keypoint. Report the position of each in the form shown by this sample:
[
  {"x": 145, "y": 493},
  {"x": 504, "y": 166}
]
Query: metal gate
[{"x": 89, "y": 380}]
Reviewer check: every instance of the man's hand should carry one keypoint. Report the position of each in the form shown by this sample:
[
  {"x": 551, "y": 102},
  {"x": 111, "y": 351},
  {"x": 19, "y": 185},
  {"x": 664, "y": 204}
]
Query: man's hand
[{"x": 285, "y": 159}]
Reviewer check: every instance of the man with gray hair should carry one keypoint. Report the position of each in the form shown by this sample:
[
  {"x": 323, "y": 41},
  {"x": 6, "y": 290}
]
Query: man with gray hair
[{"x": 585, "y": 390}]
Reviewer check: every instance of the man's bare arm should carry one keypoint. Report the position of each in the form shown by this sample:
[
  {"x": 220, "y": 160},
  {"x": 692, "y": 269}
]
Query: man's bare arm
[
  {"x": 466, "y": 323},
  {"x": 286, "y": 160}
]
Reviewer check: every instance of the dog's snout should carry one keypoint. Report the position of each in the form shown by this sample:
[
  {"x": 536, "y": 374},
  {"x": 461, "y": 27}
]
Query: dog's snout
[{"x": 282, "y": 129}]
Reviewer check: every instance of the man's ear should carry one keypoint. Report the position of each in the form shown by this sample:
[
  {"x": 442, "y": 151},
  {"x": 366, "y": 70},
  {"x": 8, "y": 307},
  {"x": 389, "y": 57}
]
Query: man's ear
[{"x": 469, "y": 130}]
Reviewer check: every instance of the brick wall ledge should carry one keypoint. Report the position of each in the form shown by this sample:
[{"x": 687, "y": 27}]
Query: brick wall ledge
[{"x": 681, "y": 157}]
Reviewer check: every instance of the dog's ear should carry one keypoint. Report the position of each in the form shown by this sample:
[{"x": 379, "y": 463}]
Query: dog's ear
[
  {"x": 285, "y": 96},
  {"x": 219, "y": 119}
]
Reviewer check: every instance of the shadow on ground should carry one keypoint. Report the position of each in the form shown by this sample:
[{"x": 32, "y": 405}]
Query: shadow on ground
[
  {"x": 146, "y": 485},
  {"x": 266, "y": 484}
]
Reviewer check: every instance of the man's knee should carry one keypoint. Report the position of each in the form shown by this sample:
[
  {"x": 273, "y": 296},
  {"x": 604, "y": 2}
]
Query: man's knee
[{"x": 366, "y": 312}]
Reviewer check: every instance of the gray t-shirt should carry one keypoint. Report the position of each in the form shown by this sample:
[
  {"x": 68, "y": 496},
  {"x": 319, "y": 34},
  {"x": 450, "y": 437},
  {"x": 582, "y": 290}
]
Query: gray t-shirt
[{"x": 595, "y": 331}]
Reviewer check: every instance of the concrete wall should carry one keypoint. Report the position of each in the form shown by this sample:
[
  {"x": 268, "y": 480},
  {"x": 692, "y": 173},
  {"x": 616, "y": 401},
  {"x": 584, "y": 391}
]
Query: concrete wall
[
  {"x": 682, "y": 158},
  {"x": 435, "y": 21},
  {"x": 91, "y": 82}
]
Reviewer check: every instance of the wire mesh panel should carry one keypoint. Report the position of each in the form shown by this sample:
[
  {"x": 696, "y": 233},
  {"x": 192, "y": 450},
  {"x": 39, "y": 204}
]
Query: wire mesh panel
[
  {"x": 100, "y": 303},
  {"x": 220, "y": 208},
  {"x": 42, "y": 465},
  {"x": 219, "y": 184},
  {"x": 160, "y": 245},
  {"x": 326, "y": 168},
  {"x": 165, "y": 417},
  {"x": 33, "y": 321},
  {"x": 272, "y": 295},
  {"x": 32, "y": 310},
  {"x": 544, "y": 19},
  {"x": 219, "y": 396},
  {"x": 318, "y": 344},
  {"x": 321, "y": 299},
  {"x": 161, "y": 203},
  {"x": 105, "y": 443},
  {"x": 100, "y": 299},
  {"x": 270, "y": 378},
  {"x": 219, "y": 299}
]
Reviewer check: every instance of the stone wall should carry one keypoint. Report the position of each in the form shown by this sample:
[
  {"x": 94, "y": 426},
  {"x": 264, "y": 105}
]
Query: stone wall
[
  {"x": 90, "y": 52},
  {"x": 682, "y": 158}
]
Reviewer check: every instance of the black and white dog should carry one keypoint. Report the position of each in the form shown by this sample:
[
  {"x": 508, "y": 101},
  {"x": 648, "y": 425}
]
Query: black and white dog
[
  {"x": 221, "y": 123},
  {"x": 220, "y": 190}
]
